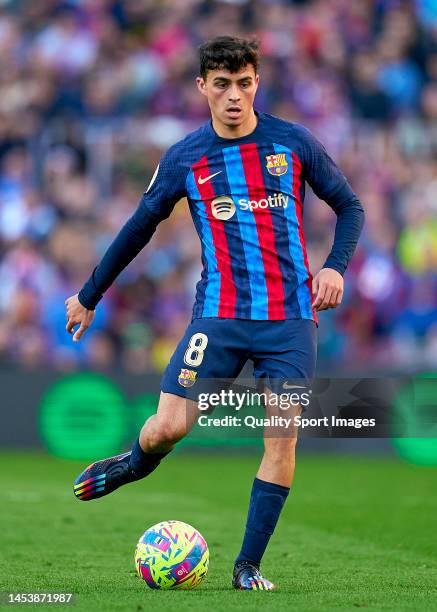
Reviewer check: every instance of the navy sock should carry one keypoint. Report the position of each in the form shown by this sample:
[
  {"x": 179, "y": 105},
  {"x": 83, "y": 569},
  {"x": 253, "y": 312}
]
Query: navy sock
[
  {"x": 143, "y": 463},
  {"x": 266, "y": 502}
]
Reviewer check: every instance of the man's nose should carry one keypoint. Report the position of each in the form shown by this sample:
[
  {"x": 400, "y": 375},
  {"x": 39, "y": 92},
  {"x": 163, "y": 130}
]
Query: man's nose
[{"x": 234, "y": 93}]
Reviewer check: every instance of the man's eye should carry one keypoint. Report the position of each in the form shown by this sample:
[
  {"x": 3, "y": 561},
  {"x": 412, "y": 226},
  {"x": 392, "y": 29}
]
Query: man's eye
[{"x": 245, "y": 85}]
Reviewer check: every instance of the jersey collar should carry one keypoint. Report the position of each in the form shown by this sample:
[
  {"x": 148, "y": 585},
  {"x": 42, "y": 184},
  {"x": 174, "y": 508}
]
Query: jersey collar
[{"x": 243, "y": 139}]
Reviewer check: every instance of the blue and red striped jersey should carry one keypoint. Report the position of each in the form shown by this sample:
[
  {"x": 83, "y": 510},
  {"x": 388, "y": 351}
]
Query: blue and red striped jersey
[{"x": 246, "y": 199}]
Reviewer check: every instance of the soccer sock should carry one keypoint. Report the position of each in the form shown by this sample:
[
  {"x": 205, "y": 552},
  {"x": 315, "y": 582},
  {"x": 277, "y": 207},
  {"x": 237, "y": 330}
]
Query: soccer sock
[
  {"x": 266, "y": 502},
  {"x": 143, "y": 464}
]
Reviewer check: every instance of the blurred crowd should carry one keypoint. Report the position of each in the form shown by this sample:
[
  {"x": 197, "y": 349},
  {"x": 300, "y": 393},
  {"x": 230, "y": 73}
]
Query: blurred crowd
[{"x": 93, "y": 91}]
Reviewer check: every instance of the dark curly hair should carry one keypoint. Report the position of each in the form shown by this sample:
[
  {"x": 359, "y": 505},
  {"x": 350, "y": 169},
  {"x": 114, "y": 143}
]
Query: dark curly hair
[{"x": 229, "y": 53}]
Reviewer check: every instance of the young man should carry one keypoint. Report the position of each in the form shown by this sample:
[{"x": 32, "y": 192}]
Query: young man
[{"x": 244, "y": 175}]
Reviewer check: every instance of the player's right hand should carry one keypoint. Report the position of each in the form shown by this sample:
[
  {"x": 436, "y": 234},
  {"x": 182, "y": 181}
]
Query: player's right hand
[{"x": 77, "y": 315}]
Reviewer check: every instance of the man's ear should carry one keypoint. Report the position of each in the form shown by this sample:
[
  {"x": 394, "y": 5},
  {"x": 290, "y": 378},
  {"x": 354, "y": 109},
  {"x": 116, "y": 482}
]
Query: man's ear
[{"x": 201, "y": 85}]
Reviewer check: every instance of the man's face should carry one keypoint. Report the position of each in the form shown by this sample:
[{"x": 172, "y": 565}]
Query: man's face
[{"x": 230, "y": 94}]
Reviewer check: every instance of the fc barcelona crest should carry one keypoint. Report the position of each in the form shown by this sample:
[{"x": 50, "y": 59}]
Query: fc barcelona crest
[
  {"x": 187, "y": 378},
  {"x": 277, "y": 164}
]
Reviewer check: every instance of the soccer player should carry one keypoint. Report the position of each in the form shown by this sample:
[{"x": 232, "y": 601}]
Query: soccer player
[{"x": 243, "y": 174}]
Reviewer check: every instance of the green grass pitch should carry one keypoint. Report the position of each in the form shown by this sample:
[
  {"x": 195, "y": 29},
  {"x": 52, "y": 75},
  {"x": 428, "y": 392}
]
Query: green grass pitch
[{"x": 355, "y": 533}]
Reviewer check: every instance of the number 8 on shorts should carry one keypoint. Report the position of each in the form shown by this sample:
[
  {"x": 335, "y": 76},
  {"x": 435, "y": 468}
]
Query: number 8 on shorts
[{"x": 195, "y": 350}]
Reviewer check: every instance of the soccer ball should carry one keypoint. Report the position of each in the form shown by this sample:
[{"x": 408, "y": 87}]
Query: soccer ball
[{"x": 172, "y": 555}]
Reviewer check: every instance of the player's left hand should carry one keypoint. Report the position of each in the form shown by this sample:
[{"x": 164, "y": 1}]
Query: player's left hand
[{"x": 327, "y": 289}]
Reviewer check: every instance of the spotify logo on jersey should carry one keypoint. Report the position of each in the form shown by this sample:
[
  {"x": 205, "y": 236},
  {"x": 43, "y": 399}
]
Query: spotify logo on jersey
[{"x": 223, "y": 208}]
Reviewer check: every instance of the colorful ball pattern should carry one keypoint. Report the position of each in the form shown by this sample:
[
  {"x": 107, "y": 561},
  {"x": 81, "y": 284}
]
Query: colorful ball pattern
[{"x": 172, "y": 555}]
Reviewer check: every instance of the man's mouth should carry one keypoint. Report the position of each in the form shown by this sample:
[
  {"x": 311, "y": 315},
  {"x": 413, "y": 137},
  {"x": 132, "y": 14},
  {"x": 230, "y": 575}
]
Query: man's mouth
[{"x": 233, "y": 111}]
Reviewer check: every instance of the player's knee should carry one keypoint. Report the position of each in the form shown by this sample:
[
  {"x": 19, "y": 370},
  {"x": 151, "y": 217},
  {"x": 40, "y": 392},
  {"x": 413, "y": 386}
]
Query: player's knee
[
  {"x": 280, "y": 450},
  {"x": 167, "y": 432}
]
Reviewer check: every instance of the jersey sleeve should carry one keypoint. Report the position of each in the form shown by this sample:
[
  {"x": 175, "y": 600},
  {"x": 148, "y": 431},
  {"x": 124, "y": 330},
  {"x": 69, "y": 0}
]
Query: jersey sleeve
[
  {"x": 329, "y": 184},
  {"x": 320, "y": 171},
  {"x": 166, "y": 188}
]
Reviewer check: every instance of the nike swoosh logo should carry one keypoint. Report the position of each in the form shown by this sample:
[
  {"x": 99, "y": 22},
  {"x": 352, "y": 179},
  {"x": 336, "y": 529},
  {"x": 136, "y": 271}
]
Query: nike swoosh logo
[
  {"x": 208, "y": 178},
  {"x": 287, "y": 386}
]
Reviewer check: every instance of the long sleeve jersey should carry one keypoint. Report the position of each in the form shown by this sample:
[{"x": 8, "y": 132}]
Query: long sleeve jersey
[{"x": 246, "y": 198}]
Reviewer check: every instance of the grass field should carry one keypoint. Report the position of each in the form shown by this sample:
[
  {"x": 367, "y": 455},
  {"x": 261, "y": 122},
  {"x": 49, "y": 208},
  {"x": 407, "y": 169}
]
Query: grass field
[{"x": 354, "y": 534}]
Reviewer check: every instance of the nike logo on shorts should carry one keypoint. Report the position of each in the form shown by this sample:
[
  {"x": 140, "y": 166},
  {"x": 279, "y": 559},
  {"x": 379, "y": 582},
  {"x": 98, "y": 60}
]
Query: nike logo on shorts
[{"x": 287, "y": 386}]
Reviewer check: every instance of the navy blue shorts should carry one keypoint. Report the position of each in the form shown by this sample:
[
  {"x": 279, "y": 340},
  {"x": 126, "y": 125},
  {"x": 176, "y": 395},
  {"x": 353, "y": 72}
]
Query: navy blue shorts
[{"x": 215, "y": 348}]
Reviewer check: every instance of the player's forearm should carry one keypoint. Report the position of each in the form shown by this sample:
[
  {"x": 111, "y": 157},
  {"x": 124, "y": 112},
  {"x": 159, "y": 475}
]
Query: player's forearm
[
  {"x": 350, "y": 221},
  {"x": 130, "y": 241}
]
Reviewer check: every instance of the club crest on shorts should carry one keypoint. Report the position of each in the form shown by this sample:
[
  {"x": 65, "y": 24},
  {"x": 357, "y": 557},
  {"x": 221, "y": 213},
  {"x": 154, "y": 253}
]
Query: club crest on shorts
[
  {"x": 277, "y": 164},
  {"x": 187, "y": 378}
]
